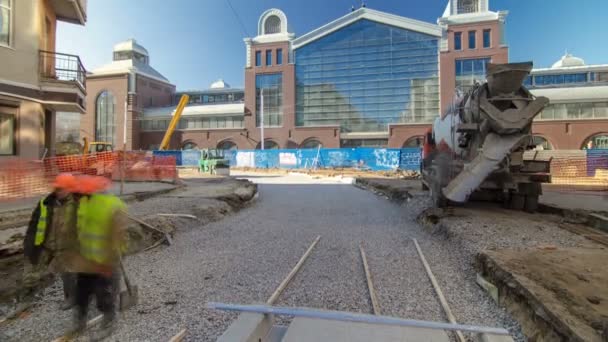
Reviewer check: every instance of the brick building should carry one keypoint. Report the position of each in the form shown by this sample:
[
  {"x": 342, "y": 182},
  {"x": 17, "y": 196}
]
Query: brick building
[
  {"x": 121, "y": 90},
  {"x": 368, "y": 78}
]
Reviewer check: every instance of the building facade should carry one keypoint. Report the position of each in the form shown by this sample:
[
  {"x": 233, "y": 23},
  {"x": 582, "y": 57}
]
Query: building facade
[
  {"x": 577, "y": 115},
  {"x": 119, "y": 92},
  {"x": 368, "y": 78},
  {"x": 213, "y": 118},
  {"x": 36, "y": 81}
]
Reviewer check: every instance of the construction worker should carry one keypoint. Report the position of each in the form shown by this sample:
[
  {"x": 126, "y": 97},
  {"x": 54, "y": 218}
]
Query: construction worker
[
  {"x": 51, "y": 234},
  {"x": 100, "y": 235}
]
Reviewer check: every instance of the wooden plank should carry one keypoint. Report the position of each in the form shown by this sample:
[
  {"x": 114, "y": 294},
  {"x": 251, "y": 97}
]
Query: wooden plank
[
  {"x": 442, "y": 300},
  {"x": 370, "y": 284},
  {"x": 147, "y": 225},
  {"x": 291, "y": 274},
  {"x": 179, "y": 337},
  {"x": 178, "y": 215}
]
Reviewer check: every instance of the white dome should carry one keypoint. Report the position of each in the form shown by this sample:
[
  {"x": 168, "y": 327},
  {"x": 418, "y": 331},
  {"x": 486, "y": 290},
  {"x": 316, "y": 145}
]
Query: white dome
[
  {"x": 568, "y": 61},
  {"x": 219, "y": 84}
]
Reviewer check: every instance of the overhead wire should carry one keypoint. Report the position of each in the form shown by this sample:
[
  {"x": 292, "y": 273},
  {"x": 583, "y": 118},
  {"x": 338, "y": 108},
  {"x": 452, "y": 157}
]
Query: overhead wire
[{"x": 238, "y": 18}]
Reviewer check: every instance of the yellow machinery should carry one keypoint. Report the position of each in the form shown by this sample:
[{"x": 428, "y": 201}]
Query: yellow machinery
[
  {"x": 96, "y": 146},
  {"x": 178, "y": 113}
]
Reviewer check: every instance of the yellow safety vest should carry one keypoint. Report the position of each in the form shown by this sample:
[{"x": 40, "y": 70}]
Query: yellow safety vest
[
  {"x": 41, "y": 227},
  {"x": 95, "y": 218}
]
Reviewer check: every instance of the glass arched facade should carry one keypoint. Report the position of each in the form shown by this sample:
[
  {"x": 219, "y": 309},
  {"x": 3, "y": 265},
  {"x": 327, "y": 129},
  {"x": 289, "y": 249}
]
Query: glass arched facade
[
  {"x": 311, "y": 143},
  {"x": 227, "y": 145},
  {"x": 597, "y": 141},
  {"x": 366, "y": 76},
  {"x": 105, "y": 117},
  {"x": 415, "y": 141}
]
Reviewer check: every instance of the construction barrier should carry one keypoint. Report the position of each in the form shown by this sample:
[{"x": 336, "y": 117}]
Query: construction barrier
[
  {"x": 576, "y": 169},
  {"x": 377, "y": 159},
  {"x": 24, "y": 178}
]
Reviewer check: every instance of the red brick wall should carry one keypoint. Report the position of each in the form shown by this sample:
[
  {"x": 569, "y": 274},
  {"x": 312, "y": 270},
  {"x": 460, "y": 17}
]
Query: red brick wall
[
  {"x": 399, "y": 134},
  {"x": 569, "y": 135}
]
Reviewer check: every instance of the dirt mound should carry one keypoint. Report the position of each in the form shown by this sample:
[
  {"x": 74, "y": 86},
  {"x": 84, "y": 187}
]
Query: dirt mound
[{"x": 558, "y": 293}]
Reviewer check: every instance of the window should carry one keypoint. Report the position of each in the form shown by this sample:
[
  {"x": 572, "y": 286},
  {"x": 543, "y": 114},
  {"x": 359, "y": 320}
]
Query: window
[
  {"x": 258, "y": 58},
  {"x": 416, "y": 141},
  {"x": 467, "y": 6},
  {"x": 471, "y": 39},
  {"x": 366, "y": 76},
  {"x": 458, "y": 41},
  {"x": 469, "y": 71},
  {"x": 189, "y": 145},
  {"x": 578, "y": 110},
  {"x": 268, "y": 57},
  {"x": 105, "y": 124},
  {"x": 227, "y": 145},
  {"x": 7, "y": 134},
  {"x": 486, "y": 38},
  {"x": 540, "y": 143},
  {"x": 271, "y": 86},
  {"x": 272, "y": 25},
  {"x": 268, "y": 145},
  {"x": 311, "y": 143},
  {"x": 5, "y": 22},
  {"x": 279, "y": 56},
  {"x": 596, "y": 141}
]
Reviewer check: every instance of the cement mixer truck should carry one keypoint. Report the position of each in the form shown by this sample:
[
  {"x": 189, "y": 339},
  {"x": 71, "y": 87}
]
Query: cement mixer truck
[{"x": 476, "y": 150}]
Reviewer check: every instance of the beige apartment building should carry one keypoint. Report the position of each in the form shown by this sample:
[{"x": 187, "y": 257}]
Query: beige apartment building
[{"x": 36, "y": 81}]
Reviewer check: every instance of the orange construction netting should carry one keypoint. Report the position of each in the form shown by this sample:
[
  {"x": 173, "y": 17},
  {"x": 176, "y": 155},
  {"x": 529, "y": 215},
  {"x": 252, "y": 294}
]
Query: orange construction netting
[{"x": 25, "y": 178}]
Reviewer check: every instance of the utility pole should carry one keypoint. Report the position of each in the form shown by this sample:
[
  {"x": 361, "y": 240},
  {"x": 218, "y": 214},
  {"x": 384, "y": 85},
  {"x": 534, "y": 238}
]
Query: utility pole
[{"x": 262, "y": 118}]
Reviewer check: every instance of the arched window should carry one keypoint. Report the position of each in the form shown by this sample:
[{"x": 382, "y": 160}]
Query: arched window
[
  {"x": 415, "y": 141},
  {"x": 268, "y": 145},
  {"x": 596, "y": 141},
  {"x": 272, "y": 25},
  {"x": 311, "y": 143},
  {"x": 541, "y": 143},
  {"x": 227, "y": 145},
  {"x": 189, "y": 145},
  {"x": 105, "y": 118}
]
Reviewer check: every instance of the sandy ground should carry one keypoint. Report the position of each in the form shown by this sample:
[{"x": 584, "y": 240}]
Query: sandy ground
[{"x": 567, "y": 283}]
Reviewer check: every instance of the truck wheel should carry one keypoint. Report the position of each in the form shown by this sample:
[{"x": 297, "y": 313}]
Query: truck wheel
[
  {"x": 517, "y": 201},
  {"x": 531, "y": 204}
]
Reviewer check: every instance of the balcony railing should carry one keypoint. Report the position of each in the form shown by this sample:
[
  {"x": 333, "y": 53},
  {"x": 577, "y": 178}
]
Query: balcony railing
[{"x": 61, "y": 67}]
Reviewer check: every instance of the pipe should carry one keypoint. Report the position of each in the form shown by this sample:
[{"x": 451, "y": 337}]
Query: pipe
[{"x": 354, "y": 317}]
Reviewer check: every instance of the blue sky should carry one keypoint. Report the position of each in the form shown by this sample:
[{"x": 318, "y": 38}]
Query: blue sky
[{"x": 194, "y": 42}]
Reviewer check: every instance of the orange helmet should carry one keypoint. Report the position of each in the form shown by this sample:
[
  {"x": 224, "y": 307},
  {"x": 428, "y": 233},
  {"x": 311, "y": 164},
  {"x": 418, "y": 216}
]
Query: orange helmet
[
  {"x": 91, "y": 184},
  {"x": 65, "y": 181}
]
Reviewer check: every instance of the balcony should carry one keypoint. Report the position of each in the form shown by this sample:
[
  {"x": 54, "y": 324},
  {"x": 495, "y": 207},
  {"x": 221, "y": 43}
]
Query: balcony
[
  {"x": 62, "y": 80},
  {"x": 71, "y": 11},
  {"x": 61, "y": 67}
]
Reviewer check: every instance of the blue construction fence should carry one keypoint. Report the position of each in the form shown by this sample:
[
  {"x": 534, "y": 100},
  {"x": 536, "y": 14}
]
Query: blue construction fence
[{"x": 376, "y": 159}]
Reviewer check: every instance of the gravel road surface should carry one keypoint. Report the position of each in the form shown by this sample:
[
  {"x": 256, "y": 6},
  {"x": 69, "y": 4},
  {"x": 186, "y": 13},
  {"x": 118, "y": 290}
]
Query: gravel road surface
[{"x": 244, "y": 257}]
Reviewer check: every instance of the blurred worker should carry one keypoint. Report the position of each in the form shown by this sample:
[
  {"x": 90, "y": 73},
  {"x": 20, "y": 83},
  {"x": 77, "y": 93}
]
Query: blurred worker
[
  {"x": 50, "y": 237},
  {"x": 100, "y": 235}
]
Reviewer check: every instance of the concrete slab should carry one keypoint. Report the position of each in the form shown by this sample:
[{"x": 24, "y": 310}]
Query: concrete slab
[
  {"x": 309, "y": 329},
  {"x": 249, "y": 327}
]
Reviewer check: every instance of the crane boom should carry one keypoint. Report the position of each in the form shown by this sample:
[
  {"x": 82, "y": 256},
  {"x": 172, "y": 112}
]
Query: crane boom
[{"x": 178, "y": 113}]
